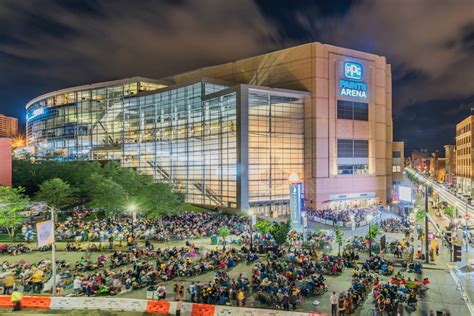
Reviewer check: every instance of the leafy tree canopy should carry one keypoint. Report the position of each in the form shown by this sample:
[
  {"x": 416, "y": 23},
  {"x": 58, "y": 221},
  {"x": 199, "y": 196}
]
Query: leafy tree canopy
[
  {"x": 12, "y": 203},
  {"x": 57, "y": 193}
]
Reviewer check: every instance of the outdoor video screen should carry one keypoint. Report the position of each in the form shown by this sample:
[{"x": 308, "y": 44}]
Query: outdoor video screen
[{"x": 404, "y": 194}]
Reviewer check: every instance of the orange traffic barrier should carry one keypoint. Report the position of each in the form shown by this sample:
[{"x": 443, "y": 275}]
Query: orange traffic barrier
[
  {"x": 158, "y": 307},
  {"x": 5, "y": 301},
  {"x": 203, "y": 310},
  {"x": 36, "y": 302}
]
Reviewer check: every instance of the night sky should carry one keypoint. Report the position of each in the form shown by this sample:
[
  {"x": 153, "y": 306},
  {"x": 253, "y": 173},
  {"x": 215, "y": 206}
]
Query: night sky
[{"x": 49, "y": 45}]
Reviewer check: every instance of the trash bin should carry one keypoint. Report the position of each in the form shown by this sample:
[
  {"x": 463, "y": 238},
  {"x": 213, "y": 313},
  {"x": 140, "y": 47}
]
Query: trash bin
[
  {"x": 213, "y": 240},
  {"x": 376, "y": 248},
  {"x": 151, "y": 293}
]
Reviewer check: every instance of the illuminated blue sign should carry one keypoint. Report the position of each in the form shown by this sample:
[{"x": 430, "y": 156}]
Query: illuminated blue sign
[
  {"x": 354, "y": 89},
  {"x": 296, "y": 205},
  {"x": 35, "y": 113},
  {"x": 353, "y": 70},
  {"x": 351, "y": 88}
]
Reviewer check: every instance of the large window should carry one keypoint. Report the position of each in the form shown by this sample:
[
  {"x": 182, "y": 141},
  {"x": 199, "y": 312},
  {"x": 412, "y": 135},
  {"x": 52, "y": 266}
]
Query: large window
[
  {"x": 276, "y": 142},
  {"x": 352, "y": 169},
  {"x": 352, "y": 156},
  {"x": 349, "y": 110},
  {"x": 352, "y": 148}
]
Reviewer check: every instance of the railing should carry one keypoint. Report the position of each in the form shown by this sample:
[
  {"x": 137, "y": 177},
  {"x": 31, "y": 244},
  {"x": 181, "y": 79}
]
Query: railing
[{"x": 461, "y": 289}]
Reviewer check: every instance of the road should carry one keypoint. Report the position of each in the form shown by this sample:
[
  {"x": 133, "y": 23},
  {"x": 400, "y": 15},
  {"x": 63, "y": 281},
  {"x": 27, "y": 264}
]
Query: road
[{"x": 461, "y": 204}]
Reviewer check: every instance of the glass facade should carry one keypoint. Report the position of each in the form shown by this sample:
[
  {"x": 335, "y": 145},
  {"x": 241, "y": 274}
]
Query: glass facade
[
  {"x": 275, "y": 148},
  {"x": 227, "y": 146},
  {"x": 68, "y": 124}
]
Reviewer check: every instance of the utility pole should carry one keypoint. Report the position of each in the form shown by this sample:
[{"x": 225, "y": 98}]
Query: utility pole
[
  {"x": 427, "y": 258},
  {"x": 53, "y": 252}
]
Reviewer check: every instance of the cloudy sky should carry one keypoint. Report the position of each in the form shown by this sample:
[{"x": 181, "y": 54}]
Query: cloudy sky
[{"x": 47, "y": 45}]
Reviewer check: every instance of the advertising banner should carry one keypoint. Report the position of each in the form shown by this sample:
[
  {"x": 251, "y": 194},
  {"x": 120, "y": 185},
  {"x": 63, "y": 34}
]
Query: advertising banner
[{"x": 45, "y": 234}]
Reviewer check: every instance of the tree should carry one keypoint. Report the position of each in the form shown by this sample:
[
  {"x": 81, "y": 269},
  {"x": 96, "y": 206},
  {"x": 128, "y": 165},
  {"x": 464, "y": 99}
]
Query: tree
[
  {"x": 339, "y": 238},
  {"x": 12, "y": 202},
  {"x": 373, "y": 232},
  {"x": 449, "y": 211},
  {"x": 105, "y": 194},
  {"x": 224, "y": 232},
  {"x": 280, "y": 231},
  {"x": 158, "y": 199},
  {"x": 57, "y": 193},
  {"x": 263, "y": 226}
]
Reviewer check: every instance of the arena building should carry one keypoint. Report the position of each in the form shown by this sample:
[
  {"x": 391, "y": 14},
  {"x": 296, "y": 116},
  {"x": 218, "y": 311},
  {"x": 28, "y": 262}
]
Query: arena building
[{"x": 231, "y": 135}]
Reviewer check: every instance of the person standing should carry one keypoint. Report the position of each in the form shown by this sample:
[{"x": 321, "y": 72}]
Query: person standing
[
  {"x": 334, "y": 301},
  {"x": 179, "y": 301},
  {"x": 16, "y": 299},
  {"x": 192, "y": 292}
]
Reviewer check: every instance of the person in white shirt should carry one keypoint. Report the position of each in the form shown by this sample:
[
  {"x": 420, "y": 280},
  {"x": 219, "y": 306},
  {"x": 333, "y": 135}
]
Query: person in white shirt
[
  {"x": 77, "y": 285},
  {"x": 334, "y": 301}
]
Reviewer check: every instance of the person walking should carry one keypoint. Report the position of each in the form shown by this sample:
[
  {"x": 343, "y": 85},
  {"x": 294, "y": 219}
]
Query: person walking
[{"x": 334, "y": 300}]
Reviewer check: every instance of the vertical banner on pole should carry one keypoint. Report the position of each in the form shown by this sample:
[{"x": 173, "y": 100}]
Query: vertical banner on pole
[
  {"x": 295, "y": 203},
  {"x": 45, "y": 233}
]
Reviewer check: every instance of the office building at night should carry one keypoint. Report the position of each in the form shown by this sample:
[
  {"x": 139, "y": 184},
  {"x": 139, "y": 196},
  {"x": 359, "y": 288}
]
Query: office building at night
[
  {"x": 450, "y": 155},
  {"x": 8, "y": 126},
  {"x": 231, "y": 135},
  {"x": 5, "y": 161},
  {"x": 465, "y": 156}
]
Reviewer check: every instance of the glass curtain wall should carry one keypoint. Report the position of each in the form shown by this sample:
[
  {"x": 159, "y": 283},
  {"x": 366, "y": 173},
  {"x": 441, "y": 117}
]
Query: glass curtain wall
[
  {"x": 67, "y": 125},
  {"x": 176, "y": 137},
  {"x": 276, "y": 140}
]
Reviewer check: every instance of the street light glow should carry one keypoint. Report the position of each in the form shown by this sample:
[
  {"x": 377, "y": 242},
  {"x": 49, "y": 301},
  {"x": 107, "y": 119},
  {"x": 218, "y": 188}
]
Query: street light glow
[{"x": 293, "y": 178}]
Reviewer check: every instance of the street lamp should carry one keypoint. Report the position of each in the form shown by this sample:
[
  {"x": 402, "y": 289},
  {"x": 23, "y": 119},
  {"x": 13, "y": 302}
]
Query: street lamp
[{"x": 369, "y": 218}]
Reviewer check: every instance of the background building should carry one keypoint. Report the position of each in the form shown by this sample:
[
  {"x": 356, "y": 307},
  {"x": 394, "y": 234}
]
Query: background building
[
  {"x": 232, "y": 134},
  {"x": 450, "y": 155},
  {"x": 5, "y": 161},
  {"x": 398, "y": 161},
  {"x": 420, "y": 160},
  {"x": 8, "y": 126},
  {"x": 464, "y": 155}
]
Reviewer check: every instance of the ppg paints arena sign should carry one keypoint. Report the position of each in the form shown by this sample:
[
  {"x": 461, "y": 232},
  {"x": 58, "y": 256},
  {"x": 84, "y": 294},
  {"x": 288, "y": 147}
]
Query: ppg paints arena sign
[{"x": 352, "y": 85}]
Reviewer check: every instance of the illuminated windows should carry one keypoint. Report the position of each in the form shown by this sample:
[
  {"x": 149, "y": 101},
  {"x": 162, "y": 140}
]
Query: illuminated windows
[{"x": 352, "y": 156}]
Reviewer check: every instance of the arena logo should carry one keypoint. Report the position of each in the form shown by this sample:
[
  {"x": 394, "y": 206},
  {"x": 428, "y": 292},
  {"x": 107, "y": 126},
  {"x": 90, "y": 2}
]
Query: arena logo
[
  {"x": 351, "y": 88},
  {"x": 353, "y": 70}
]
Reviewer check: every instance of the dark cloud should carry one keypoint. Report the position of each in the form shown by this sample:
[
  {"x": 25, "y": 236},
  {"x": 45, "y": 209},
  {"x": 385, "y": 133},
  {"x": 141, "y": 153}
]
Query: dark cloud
[
  {"x": 51, "y": 45},
  {"x": 430, "y": 38}
]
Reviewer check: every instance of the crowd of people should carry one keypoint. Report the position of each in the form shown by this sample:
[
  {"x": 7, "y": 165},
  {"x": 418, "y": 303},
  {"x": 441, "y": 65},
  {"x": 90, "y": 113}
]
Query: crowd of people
[
  {"x": 185, "y": 225},
  {"x": 281, "y": 277},
  {"x": 395, "y": 225},
  {"x": 343, "y": 215}
]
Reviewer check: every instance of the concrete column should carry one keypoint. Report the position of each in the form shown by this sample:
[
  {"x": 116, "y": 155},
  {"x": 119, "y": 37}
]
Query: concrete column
[{"x": 243, "y": 148}]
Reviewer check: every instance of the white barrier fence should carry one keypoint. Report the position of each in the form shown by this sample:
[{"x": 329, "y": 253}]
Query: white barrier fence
[
  {"x": 101, "y": 303},
  {"x": 157, "y": 307}
]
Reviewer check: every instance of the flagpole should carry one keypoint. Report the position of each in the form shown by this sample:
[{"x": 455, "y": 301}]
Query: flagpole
[{"x": 53, "y": 252}]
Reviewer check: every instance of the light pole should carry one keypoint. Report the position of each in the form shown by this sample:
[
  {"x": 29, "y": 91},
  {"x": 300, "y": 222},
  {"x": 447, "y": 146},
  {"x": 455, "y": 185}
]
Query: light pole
[
  {"x": 427, "y": 245},
  {"x": 53, "y": 249},
  {"x": 369, "y": 218}
]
